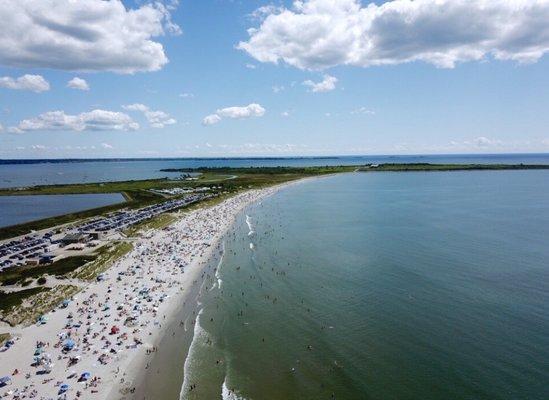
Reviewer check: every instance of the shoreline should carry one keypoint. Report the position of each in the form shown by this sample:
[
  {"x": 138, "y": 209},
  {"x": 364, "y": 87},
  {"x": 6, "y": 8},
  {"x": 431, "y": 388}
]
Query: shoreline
[
  {"x": 153, "y": 287},
  {"x": 175, "y": 349}
]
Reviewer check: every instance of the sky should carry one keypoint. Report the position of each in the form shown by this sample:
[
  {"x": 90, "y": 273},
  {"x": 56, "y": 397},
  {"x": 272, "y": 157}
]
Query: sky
[{"x": 221, "y": 78}]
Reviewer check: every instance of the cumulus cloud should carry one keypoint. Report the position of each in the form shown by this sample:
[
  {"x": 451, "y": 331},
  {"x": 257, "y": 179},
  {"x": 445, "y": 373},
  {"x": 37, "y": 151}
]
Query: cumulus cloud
[
  {"x": 157, "y": 119},
  {"x": 211, "y": 119},
  {"x": 318, "y": 34},
  {"x": 327, "y": 84},
  {"x": 186, "y": 95},
  {"x": 95, "y": 120},
  {"x": 92, "y": 35},
  {"x": 251, "y": 110},
  {"x": 78, "y": 83},
  {"x": 107, "y": 146},
  {"x": 35, "y": 83}
]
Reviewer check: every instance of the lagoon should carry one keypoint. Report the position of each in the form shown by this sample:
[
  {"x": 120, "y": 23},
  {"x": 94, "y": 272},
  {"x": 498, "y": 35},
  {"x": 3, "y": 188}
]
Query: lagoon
[{"x": 20, "y": 209}]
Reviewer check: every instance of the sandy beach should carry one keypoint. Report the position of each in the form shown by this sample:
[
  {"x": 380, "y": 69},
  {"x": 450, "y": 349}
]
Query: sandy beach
[{"x": 100, "y": 344}]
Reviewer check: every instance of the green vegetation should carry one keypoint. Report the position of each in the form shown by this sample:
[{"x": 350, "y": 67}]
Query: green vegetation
[
  {"x": 22, "y": 274},
  {"x": 320, "y": 170},
  {"x": 103, "y": 260},
  {"x": 158, "y": 222},
  {"x": 24, "y": 307},
  {"x": 14, "y": 299},
  {"x": 449, "y": 167},
  {"x": 4, "y": 337}
]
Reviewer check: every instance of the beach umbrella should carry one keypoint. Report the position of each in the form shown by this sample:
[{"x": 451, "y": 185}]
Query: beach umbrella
[
  {"x": 68, "y": 344},
  {"x": 5, "y": 380},
  {"x": 85, "y": 376},
  {"x": 63, "y": 388}
]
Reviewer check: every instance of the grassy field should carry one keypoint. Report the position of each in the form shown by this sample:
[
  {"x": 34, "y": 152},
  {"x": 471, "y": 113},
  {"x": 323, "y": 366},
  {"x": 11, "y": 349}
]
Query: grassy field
[
  {"x": 4, "y": 337},
  {"x": 21, "y": 274},
  {"x": 24, "y": 307},
  {"x": 449, "y": 167},
  {"x": 14, "y": 299},
  {"x": 103, "y": 260}
]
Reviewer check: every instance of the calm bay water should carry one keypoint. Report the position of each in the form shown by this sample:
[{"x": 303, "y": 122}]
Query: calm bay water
[
  {"x": 382, "y": 286},
  {"x": 19, "y": 209},
  {"x": 47, "y": 172}
]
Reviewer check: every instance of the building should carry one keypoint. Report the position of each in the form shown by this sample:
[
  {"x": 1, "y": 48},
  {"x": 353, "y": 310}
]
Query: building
[{"x": 73, "y": 238}]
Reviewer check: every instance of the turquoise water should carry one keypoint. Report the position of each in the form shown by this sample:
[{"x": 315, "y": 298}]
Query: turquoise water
[
  {"x": 382, "y": 286},
  {"x": 20, "y": 209}
]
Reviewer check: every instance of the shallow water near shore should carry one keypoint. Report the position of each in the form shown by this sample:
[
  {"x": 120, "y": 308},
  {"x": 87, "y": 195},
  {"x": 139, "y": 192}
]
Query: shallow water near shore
[{"x": 382, "y": 286}]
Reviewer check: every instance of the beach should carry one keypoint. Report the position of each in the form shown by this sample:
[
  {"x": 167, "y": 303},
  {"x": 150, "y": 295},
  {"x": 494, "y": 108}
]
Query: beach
[{"x": 100, "y": 343}]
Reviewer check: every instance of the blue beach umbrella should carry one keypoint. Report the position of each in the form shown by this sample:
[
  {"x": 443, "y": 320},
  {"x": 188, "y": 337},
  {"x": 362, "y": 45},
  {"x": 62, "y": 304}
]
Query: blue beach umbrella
[
  {"x": 85, "y": 376},
  {"x": 68, "y": 344}
]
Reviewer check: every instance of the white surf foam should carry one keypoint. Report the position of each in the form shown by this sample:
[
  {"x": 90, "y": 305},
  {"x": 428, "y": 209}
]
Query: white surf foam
[
  {"x": 198, "y": 335},
  {"x": 227, "y": 394},
  {"x": 249, "y": 223}
]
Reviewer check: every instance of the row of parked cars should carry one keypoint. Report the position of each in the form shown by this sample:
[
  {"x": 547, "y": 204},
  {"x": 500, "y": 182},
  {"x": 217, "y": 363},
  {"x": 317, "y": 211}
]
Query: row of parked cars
[{"x": 21, "y": 251}]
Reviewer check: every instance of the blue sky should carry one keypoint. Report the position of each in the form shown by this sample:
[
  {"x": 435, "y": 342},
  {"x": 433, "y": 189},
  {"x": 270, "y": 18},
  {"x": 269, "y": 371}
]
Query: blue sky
[{"x": 399, "y": 97}]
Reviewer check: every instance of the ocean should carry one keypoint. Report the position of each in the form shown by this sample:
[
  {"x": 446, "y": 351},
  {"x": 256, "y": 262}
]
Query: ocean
[
  {"x": 23, "y": 173},
  {"x": 422, "y": 285}
]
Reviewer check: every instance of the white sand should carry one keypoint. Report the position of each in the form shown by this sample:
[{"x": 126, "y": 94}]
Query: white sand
[{"x": 148, "y": 284}]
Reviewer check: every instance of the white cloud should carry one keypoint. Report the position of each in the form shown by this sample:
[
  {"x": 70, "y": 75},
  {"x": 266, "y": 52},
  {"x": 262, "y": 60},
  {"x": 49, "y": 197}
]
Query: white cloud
[
  {"x": 318, "y": 34},
  {"x": 363, "y": 110},
  {"x": 251, "y": 66},
  {"x": 251, "y": 110},
  {"x": 157, "y": 119},
  {"x": 107, "y": 146},
  {"x": 78, "y": 83},
  {"x": 327, "y": 84},
  {"x": 95, "y": 120},
  {"x": 264, "y": 11},
  {"x": 35, "y": 83},
  {"x": 211, "y": 119},
  {"x": 277, "y": 89},
  {"x": 285, "y": 114},
  {"x": 38, "y": 147},
  {"x": 186, "y": 95},
  {"x": 483, "y": 141},
  {"x": 91, "y": 35}
]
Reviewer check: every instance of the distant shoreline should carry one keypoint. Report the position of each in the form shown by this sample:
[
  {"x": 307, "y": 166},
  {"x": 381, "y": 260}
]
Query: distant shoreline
[{"x": 253, "y": 158}]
